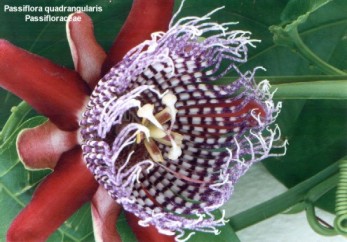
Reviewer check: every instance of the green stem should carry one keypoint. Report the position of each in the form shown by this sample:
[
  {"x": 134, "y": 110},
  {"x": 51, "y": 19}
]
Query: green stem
[
  {"x": 309, "y": 55},
  {"x": 314, "y": 195},
  {"x": 311, "y": 90},
  {"x": 318, "y": 191},
  {"x": 287, "y": 79},
  {"x": 292, "y": 79},
  {"x": 302, "y": 87},
  {"x": 17, "y": 116},
  {"x": 315, "y": 224},
  {"x": 282, "y": 202}
]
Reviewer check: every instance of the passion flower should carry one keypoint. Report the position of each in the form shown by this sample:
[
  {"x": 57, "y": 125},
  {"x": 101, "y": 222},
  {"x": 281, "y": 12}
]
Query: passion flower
[{"x": 165, "y": 140}]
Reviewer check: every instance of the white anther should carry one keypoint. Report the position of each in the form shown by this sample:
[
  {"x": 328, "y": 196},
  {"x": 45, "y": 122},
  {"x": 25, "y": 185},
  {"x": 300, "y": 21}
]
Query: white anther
[
  {"x": 146, "y": 111},
  {"x": 169, "y": 100},
  {"x": 143, "y": 111},
  {"x": 174, "y": 152}
]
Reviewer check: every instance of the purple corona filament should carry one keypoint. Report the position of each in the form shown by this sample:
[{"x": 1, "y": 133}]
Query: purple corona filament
[{"x": 165, "y": 141}]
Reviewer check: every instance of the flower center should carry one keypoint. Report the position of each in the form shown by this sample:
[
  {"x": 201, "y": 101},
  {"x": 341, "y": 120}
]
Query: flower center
[{"x": 159, "y": 130}]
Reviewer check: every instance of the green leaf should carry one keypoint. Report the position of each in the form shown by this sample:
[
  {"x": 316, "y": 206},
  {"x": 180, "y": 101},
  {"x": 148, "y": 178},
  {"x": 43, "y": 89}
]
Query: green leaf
[
  {"x": 7, "y": 101},
  {"x": 17, "y": 185},
  {"x": 125, "y": 231},
  {"x": 288, "y": 35},
  {"x": 18, "y": 114},
  {"x": 297, "y": 8}
]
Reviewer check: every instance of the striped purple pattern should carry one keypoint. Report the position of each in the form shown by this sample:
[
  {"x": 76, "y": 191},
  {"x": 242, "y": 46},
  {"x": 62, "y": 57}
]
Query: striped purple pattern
[{"x": 224, "y": 128}]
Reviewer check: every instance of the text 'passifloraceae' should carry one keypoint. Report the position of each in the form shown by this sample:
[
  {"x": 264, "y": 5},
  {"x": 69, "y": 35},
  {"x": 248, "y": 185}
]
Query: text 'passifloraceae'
[{"x": 158, "y": 133}]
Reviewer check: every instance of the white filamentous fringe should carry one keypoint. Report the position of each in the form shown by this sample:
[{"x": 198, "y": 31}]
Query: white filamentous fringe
[{"x": 156, "y": 50}]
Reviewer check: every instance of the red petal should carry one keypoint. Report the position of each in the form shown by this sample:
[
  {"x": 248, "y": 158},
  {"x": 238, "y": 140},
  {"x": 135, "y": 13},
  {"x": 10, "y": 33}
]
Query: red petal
[
  {"x": 105, "y": 212},
  {"x": 56, "y": 199},
  {"x": 145, "y": 17},
  {"x": 42, "y": 146},
  {"x": 87, "y": 54},
  {"x": 56, "y": 92},
  {"x": 144, "y": 234}
]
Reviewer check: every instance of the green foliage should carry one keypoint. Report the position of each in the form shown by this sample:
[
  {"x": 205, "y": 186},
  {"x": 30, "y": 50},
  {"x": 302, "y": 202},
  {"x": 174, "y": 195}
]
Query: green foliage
[{"x": 297, "y": 8}]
